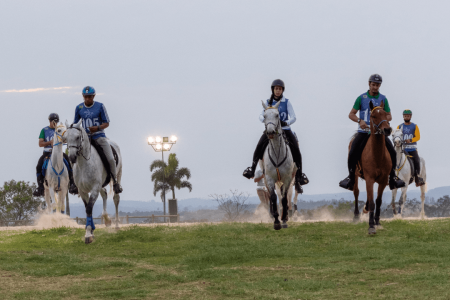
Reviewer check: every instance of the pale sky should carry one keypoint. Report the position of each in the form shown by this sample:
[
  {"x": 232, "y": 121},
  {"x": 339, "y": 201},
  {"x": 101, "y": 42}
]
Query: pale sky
[{"x": 199, "y": 70}]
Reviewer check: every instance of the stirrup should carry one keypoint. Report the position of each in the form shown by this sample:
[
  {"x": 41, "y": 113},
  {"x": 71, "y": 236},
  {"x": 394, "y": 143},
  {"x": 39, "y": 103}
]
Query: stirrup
[
  {"x": 347, "y": 184},
  {"x": 249, "y": 173}
]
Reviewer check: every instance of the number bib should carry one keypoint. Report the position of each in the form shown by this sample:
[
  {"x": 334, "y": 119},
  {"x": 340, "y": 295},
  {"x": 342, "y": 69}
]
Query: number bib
[
  {"x": 364, "y": 113},
  {"x": 92, "y": 116}
]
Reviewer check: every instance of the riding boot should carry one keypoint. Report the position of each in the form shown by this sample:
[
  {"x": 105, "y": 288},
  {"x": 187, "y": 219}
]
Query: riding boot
[
  {"x": 117, "y": 187},
  {"x": 394, "y": 181},
  {"x": 419, "y": 180},
  {"x": 250, "y": 171},
  {"x": 349, "y": 182},
  {"x": 72, "y": 187},
  {"x": 39, "y": 191},
  {"x": 416, "y": 159},
  {"x": 257, "y": 155}
]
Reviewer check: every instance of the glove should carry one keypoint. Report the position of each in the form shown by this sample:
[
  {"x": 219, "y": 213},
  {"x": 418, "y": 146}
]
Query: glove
[{"x": 283, "y": 124}]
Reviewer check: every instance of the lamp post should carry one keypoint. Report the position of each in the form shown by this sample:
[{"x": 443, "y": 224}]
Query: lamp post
[{"x": 160, "y": 145}]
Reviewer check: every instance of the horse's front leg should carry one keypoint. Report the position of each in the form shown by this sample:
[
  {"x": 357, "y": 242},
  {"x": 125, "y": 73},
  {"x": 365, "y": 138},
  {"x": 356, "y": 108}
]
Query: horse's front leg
[
  {"x": 379, "y": 201},
  {"x": 54, "y": 204},
  {"x": 394, "y": 196},
  {"x": 274, "y": 207},
  {"x": 370, "y": 205},
  {"x": 48, "y": 200},
  {"x": 356, "y": 194},
  {"x": 105, "y": 215},
  {"x": 116, "y": 199},
  {"x": 401, "y": 204},
  {"x": 90, "y": 226},
  {"x": 285, "y": 206},
  {"x": 422, "y": 197}
]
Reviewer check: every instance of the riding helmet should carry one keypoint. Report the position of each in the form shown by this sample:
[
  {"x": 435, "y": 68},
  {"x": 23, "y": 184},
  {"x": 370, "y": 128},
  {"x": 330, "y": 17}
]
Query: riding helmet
[
  {"x": 277, "y": 82},
  {"x": 53, "y": 117},
  {"x": 407, "y": 112},
  {"x": 375, "y": 78},
  {"x": 88, "y": 90}
]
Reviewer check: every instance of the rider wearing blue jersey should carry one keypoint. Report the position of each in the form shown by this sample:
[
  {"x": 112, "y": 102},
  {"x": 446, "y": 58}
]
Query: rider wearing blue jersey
[
  {"x": 360, "y": 140},
  {"x": 287, "y": 118},
  {"x": 46, "y": 141},
  {"x": 95, "y": 121},
  {"x": 411, "y": 135}
]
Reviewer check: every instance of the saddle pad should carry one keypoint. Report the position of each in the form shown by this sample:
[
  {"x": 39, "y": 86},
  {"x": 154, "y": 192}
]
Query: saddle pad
[{"x": 105, "y": 160}]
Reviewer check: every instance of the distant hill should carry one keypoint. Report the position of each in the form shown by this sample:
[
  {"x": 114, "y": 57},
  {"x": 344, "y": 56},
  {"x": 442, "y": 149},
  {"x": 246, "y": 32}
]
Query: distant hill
[{"x": 194, "y": 204}]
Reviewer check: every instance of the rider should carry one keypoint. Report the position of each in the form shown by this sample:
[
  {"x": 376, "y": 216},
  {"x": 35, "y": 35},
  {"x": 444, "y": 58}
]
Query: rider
[
  {"x": 46, "y": 141},
  {"x": 287, "y": 118},
  {"x": 411, "y": 135},
  {"x": 95, "y": 121},
  {"x": 361, "y": 138}
]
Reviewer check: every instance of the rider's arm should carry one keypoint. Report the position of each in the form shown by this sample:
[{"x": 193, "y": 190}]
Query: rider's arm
[
  {"x": 352, "y": 115},
  {"x": 43, "y": 143},
  {"x": 77, "y": 116},
  {"x": 291, "y": 114},
  {"x": 388, "y": 110},
  {"x": 416, "y": 135},
  {"x": 95, "y": 128}
]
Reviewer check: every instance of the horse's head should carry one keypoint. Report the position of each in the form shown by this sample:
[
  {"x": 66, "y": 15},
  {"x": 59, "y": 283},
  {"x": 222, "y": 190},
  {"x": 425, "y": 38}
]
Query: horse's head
[
  {"x": 74, "y": 138},
  {"x": 378, "y": 120},
  {"x": 397, "y": 138},
  {"x": 271, "y": 119},
  {"x": 60, "y": 131}
]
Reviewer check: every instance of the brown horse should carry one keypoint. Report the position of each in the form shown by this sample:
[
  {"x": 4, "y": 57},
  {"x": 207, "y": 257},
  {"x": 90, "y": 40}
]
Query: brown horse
[{"x": 376, "y": 165}]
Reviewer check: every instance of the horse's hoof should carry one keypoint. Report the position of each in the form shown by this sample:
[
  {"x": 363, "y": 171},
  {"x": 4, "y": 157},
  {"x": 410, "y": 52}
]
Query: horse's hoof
[
  {"x": 277, "y": 226},
  {"x": 372, "y": 231},
  {"x": 356, "y": 218},
  {"x": 365, "y": 210},
  {"x": 284, "y": 225},
  {"x": 108, "y": 223},
  {"x": 117, "y": 228},
  {"x": 88, "y": 240},
  {"x": 379, "y": 227},
  {"x": 291, "y": 213}
]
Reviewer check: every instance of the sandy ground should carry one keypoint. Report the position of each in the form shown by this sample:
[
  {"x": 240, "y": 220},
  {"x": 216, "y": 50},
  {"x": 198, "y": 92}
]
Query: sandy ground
[{"x": 47, "y": 221}]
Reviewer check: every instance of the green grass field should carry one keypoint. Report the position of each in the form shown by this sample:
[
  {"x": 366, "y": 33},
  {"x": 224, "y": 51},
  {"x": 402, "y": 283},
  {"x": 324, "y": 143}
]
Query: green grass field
[{"x": 338, "y": 260}]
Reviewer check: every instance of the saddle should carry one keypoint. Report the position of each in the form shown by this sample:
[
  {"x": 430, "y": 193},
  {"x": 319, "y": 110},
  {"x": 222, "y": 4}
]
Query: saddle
[
  {"x": 105, "y": 160},
  {"x": 411, "y": 163}
]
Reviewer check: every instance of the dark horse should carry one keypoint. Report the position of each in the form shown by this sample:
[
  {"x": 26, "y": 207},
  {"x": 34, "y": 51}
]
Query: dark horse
[{"x": 376, "y": 165}]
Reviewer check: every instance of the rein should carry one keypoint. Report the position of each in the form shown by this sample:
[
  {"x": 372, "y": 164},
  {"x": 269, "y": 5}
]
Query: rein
[
  {"x": 80, "y": 147},
  {"x": 279, "y": 150},
  {"x": 379, "y": 124}
]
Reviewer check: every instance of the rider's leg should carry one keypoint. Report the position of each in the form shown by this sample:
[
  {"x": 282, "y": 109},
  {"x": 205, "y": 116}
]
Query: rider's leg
[
  {"x": 104, "y": 143},
  {"x": 394, "y": 181},
  {"x": 416, "y": 158},
  {"x": 39, "y": 191},
  {"x": 300, "y": 178},
  {"x": 72, "y": 187},
  {"x": 354, "y": 155},
  {"x": 257, "y": 155}
]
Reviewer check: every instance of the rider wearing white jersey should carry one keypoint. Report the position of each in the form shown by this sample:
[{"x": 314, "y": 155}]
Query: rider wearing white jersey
[
  {"x": 95, "y": 121},
  {"x": 287, "y": 118}
]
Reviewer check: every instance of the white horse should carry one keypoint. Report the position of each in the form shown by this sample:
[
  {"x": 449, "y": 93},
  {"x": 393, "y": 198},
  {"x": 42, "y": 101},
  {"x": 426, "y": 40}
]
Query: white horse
[
  {"x": 403, "y": 170},
  {"x": 57, "y": 176},
  {"x": 278, "y": 165},
  {"x": 89, "y": 174}
]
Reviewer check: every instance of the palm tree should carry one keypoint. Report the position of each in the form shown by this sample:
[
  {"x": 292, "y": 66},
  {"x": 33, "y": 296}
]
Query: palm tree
[{"x": 167, "y": 177}]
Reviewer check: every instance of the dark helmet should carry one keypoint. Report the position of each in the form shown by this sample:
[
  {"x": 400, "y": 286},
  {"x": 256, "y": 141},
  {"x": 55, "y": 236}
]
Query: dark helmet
[
  {"x": 375, "y": 78},
  {"x": 53, "y": 117},
  {"x": 277, "y": 82},
  {"x": 88, "y": 90},
  {"x": 407, "y": 112}
]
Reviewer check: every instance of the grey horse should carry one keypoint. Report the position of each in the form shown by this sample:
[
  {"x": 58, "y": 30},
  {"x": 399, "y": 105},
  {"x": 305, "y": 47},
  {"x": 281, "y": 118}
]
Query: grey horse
[
  {"x": 278, "y": 165},
  {"x": 89, "y": 174}
]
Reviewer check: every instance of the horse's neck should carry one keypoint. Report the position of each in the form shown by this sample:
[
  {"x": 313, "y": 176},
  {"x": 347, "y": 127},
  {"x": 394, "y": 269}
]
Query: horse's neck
[
  {"x": 278, "y": 147},
  {"x": 399, "y": 155},
  {"x": 57, "y": 156},
  {"x": 378, "y": 141},
  {"x": 85, "y": 159}
]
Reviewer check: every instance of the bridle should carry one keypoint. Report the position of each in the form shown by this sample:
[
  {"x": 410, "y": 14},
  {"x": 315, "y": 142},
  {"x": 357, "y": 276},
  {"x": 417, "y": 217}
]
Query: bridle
[
  {"x": 59, "y": 136},
  {"x": 80, "y": 147},
  {"x": 377, "y": 126}
]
